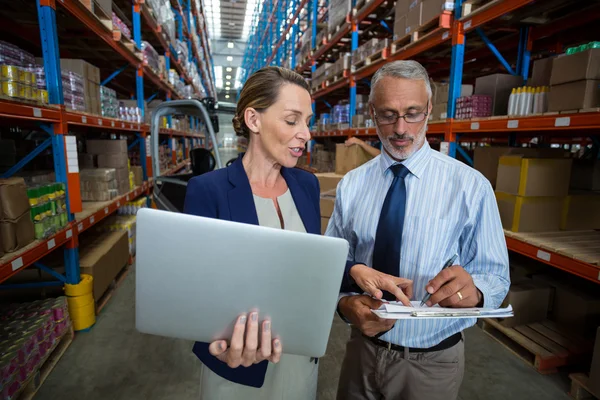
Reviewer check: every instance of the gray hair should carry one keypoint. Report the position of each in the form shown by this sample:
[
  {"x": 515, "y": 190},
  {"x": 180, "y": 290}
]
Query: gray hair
[{"x": 406, "y": 69}]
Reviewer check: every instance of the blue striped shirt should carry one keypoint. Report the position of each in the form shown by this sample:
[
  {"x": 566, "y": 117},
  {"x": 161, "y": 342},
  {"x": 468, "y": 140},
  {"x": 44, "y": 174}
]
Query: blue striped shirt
[{"x": 450, "y": 208}]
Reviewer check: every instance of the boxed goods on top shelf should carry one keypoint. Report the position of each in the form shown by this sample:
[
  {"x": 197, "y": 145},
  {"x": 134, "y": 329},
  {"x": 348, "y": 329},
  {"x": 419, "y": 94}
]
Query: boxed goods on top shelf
[
  {"x": 118, "y": 23},
  {"x": 575, "y": 79},
  {"x": 29, "y": 331},
  {"x": 338, "y": 10},
  {"x": 16, "y": 226}
]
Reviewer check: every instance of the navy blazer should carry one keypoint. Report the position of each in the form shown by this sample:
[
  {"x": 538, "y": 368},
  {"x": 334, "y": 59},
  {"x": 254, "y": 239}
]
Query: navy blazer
[{"x": 226, "y": 194}]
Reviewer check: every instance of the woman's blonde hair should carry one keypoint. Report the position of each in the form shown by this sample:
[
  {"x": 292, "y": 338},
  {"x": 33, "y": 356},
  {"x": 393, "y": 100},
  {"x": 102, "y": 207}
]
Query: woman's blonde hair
[{"x": 260, "y": 92}]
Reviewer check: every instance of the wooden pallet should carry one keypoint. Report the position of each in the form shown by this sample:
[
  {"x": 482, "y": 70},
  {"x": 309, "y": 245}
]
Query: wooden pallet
[
  {"x": 579, "y": 387},
  {"x": 440, "y": 23},
  {"x": 543, "y": 345},
  {"x": 99, "y": 13},
  {"x": 114, "y": 285},
  {"x": 379, "y": 55},
  {"x": 336, "y": 78},
  {"x": 34, "y": 383},
  {"x": 330, "y": 35},
  {"x": 580, "y": 245},
  {"x": 473, "y": 7}
]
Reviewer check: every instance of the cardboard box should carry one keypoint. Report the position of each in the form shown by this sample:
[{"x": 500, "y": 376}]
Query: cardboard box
[
  {"x": 530, "y": 214},
  {"x": 324, "y": 223},
  {"x": 433, "y": 8},
  {"x": 349, "y": 158},
  {"x": 138, "y": 175},
  {"x": 441, "y": 91},
  {"x": 413, "y": 18},
  {"x": 499, "y": 86},
  {"x": 523, "y": 176},
  {"x": 103, "y": 256},
  {"x": 594, "y": 381},
  {"x": 575, "y": 67},
  {"x": 106, "y": 146},
  {"x": 81, "y": 67},
  {"x": 88, "y": 160},
  {"x": 542, "y": 71},
  {"x": 439, "y": 111},
  {"x": 574, "y": 95},
  {"x": 327, "y": 203},
  {"x": 400, "y": 27},
  {"x": 585, "y": 175},
  {"x": 328, "y": 181},
  {"x": 581, "y": 211},
  {"x": 529, "y": 301},
  {"x": 486, "y": 159},
  {"x": 112, "y": 160},
  {"x": 13, "y": 198},
  {"x": 16, "y": 233}
]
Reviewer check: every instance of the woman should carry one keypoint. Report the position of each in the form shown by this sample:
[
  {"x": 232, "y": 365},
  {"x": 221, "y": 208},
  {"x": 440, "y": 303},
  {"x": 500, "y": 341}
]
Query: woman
[{"x": 262, "y": 188}]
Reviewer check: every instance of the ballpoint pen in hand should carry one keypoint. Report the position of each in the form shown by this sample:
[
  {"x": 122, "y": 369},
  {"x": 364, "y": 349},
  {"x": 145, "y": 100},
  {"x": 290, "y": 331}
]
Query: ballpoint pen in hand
[{"x": 449, "y": 263}]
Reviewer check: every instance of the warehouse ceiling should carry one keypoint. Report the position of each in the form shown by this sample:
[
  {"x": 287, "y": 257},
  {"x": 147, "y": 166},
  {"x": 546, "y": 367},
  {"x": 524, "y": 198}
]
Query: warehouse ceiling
[{"x": 229, "y": 25}]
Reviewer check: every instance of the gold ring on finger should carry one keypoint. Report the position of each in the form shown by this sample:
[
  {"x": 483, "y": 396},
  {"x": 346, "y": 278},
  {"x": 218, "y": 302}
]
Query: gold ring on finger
[{"x": 459, "y": 296}]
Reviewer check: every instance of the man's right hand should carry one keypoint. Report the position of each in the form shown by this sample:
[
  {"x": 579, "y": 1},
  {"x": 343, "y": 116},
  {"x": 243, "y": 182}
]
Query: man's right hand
[
  {"x": 373, "y": 282},
  {"x": 357, "y": 310}
]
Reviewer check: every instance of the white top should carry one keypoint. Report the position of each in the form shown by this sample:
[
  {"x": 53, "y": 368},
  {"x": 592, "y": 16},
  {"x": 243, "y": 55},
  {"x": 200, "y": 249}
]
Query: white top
[{"x": 267, "y": 213}]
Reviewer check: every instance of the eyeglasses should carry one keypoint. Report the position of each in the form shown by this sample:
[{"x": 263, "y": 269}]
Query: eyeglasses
[{"x": 393, "y": 117}]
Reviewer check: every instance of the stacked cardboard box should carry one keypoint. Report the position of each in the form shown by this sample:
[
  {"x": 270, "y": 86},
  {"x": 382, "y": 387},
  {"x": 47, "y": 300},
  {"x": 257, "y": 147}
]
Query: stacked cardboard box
[
  {"x": 529, "y": 300},
  {"x": 338, "y": 10},
  {"x": 581, "y": 211},
  {"x": 575, "y": 81},
  {"x": 531, "y": 192},
  {"x": 91, "y": 82},
  {"x": 541, "y": 72},
  {"x": 320, "y": 75},
  {"x": 138, "y": 176},
  {"x": 486, "y": 159},
  {"x": 111, "y": 154},
  {"x": 16, "y": 226},
  {"x": 322, "y": 159},
  {"x": 439, "y": 99},
  {"x": 349, "y": 158},
  {"x": 368, "y": 49},
  {"x": 498, "y": 87},
  {"x": 342, "y": 64},
  {"x": 103, "y": 255},
  {"x": 328, "y": 183},
  {"x": 98, "y": 184}
]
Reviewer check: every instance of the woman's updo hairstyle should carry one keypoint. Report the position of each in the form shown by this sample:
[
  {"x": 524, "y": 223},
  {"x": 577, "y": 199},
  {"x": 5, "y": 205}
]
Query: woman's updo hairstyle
[{"x": 260, "y": 92}]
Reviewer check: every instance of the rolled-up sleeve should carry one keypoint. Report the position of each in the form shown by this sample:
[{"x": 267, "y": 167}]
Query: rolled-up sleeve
[{"x": 485, "y": 248}]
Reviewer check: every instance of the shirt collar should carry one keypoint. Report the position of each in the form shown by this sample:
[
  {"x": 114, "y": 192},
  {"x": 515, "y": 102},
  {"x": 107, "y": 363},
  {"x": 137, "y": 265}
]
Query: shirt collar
[{"x": 415, "y": 164}]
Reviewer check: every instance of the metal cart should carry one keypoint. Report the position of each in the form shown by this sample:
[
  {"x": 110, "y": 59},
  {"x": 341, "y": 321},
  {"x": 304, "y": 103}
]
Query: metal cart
[{"x": 169, "y": 191}]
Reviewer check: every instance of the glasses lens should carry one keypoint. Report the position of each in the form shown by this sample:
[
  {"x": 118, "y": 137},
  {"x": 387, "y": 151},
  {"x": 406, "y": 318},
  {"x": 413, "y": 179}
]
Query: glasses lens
[
  {"x": 387, "y": 119},
  {"x": 413, "y": 118}
]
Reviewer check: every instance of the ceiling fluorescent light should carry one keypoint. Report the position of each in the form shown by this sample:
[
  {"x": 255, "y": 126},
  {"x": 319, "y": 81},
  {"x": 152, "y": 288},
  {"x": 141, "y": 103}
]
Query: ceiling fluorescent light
[
  {"x": 228, "y": 69},
  {"x": 229, "y": 58},
  {"x": 230, "y": 45},
  {"x": 226, "y": 96}
]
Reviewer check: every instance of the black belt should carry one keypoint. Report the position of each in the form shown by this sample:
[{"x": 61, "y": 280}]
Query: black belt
[{"x": 443, "y": 345}]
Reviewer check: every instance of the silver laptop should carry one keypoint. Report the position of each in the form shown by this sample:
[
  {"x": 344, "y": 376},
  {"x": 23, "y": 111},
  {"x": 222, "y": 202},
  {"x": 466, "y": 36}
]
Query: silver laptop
[{"x": 195, "y": 276}]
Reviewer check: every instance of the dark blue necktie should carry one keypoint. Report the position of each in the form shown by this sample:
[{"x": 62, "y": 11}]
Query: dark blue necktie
[{"x": 388, "y": 239}]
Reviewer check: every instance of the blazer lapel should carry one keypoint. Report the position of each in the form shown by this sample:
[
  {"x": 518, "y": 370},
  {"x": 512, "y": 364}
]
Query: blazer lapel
[
  {"x": 304, "y": 204},
  {"x": 241, "y": 202}
]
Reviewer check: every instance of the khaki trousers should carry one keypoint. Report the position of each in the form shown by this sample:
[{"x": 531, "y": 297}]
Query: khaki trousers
[{"x": 373, "y": 372}]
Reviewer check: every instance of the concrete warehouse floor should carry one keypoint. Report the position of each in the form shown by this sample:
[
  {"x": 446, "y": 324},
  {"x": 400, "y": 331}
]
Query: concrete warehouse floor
[{"x": 114, "y": 361}]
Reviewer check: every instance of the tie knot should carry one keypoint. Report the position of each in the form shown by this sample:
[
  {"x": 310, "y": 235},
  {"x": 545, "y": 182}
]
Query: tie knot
[{"x": 399, "y": 170}]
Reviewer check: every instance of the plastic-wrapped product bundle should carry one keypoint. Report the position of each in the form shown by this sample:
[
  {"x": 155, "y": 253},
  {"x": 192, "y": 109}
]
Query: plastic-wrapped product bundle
[
  {"x": 151, "y": 57},
  {"x": 98, "y": 184},
  {"x": 173, "y": 77},
  {"x": 188, "y": 92},
  {"x": 73, "y": 90},
  {"x": 13, "y": 55},
  {"x": 109, "y": 104},
  {"x": 475, "y": 106},
  {"x": 338, "y": 9},
  {"x": 182, "y": 51},
  {"x": 121, "y": 25}
]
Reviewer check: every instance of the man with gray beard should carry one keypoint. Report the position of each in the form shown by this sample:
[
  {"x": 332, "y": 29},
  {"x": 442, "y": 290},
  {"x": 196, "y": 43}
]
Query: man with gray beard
[{"x": 406, "y": 213}]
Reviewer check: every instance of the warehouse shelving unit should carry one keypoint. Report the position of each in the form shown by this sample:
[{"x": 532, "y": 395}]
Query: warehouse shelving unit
[
  {"x": 478, "y": 39},
  {"x": 60, "y": 23}
]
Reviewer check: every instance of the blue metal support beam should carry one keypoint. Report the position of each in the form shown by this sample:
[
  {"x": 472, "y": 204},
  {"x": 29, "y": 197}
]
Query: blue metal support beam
[
  {"x": 456, "y": 69},
  {"x": 49, "y": 39},
  {"x": 114, "y": 75},
  {"x": 137, "y": 26},
  {"x": 149, "y": 99},
  {"x": 464, "y": 154},
  {"x": 50, "y": 271},
  {"x": 495, "y": 51},
  {"x": 30, "y": 285},
  {"x": 135, "y": 142},
  {"x": 524, "y": 56},
  {"x": 25, "y": 160}
]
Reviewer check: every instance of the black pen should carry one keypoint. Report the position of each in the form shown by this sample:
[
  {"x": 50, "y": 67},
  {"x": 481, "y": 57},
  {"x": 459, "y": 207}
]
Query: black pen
[{"x": 449, "y": 263}]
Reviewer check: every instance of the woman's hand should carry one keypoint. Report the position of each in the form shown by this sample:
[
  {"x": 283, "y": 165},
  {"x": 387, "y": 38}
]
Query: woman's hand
[{"x": 246, "y": 352}]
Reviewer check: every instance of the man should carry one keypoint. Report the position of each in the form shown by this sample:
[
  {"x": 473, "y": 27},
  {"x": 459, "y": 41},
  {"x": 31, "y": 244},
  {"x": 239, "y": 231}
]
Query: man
[{"x": 405, "y": 214}]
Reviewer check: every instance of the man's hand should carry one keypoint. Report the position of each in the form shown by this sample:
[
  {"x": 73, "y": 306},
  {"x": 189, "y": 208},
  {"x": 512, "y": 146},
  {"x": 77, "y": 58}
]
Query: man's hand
[
  {"x": 357, "y": 309},
  {"x": 353, "y": 141},
  {"x": 373, "y": 282},
  {"x": 453, "y": 287}
]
